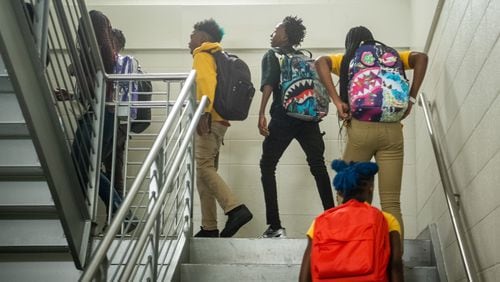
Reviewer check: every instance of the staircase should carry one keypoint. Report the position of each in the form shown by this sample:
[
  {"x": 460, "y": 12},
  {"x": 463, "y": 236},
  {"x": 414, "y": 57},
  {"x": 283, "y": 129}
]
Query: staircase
[
  {"x": 29, "y": 223},
  {"x": 245, "y": 260}
]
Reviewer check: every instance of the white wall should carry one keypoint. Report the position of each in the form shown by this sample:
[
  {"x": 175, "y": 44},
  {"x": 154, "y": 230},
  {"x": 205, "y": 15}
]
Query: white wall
[
  {"x": 463, "y": 84},
  {"x": 158, "y": 35}
]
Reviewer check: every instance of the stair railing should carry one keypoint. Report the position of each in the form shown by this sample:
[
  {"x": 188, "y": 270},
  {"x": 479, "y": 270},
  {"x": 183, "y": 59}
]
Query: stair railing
[
  {"x": 54, "y": 64},
  {"x": 164, "y": 188},
  {"x": 452, "y": 198}
]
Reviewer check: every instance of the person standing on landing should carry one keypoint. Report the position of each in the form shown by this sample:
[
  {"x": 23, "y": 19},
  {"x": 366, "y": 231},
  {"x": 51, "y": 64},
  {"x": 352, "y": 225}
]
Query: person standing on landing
[
  {"x": 367, "y": 139},
  {"x": 282, "y": 129},
  {"x": 205, "y": 40}
]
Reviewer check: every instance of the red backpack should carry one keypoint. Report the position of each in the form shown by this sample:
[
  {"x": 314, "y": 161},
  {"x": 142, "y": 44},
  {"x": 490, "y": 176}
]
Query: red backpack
[{"x": 351, "y": 243}]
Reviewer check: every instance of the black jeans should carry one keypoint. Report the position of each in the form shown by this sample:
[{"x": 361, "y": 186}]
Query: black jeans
[{"x": 281, "y": 134}]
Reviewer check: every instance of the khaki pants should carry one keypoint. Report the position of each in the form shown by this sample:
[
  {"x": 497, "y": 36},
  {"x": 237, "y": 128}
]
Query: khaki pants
[
  {"x": 211, "y": 186},
  {"x": 385, "y": 142}
]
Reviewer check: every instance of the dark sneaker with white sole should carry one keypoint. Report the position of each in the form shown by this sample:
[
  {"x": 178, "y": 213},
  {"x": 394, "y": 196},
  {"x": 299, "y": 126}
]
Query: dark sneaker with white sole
[
  {"x": 274, "y": 233},
  {"x": 237, "y": 217}
]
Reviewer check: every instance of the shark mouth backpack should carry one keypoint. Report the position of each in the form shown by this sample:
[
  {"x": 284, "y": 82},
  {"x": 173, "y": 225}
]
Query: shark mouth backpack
[
  {"x": 378, "y": 89},
  {"x": 303, "y": 95}
]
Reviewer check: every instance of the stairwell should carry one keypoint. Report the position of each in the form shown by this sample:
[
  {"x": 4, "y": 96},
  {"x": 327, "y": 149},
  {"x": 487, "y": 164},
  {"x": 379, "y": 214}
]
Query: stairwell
[
  {"x": 245, "y": 260},
  {"x": 32, "y": 240}
]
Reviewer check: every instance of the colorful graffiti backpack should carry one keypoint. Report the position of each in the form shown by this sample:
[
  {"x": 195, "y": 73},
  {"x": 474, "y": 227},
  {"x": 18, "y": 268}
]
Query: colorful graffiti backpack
[
  {"x": 350, "y": 244},
  {"x": 303, "y": 95},
  {"x": 378, "y": 89}
]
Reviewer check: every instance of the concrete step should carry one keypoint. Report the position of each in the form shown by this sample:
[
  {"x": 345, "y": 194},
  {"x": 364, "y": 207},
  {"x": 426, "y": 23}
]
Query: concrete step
[
  {"x": 49, "y": 270},
  {"x": 32, "y": 235},
  {"x": 274, "y": 272},
  {"x": 19, "y": 160},
  {"x": 12, "y": 124},
  {"x": 5, "y": 84},
  {"x": 281, "y": 251},
  {"x": 26, "y": 199}
]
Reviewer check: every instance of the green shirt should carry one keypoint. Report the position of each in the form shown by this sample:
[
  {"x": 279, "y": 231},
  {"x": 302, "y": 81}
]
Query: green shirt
[{"x": 271, "y": 74}]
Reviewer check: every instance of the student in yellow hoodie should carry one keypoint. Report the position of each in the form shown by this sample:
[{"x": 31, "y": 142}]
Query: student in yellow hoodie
[{"x": 205, "y": 40}]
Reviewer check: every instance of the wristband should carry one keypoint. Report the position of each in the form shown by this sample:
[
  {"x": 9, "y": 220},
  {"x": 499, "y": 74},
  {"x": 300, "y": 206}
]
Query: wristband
[{"x": 413, "y": 100}]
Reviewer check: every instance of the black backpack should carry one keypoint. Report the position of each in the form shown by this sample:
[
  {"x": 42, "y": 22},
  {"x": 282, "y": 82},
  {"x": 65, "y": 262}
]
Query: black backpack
[
  {"x": 235, "y": 90},
  {"x": 143, "y": 114}
]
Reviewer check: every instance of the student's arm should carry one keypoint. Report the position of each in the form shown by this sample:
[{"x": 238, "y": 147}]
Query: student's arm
[
  {"x": 396, "y": 260},
  {"x": 305, "y": 268},
  {"x": 270, "y": 70},
  {"x": 266, "y": 93},
  {"x": 418, "y": 62},
  {"x": 323, "y": 66}
]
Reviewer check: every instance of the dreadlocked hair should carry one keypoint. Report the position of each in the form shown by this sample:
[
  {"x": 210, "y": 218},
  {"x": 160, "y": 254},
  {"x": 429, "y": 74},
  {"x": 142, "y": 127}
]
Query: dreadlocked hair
[
  {"x": 353, "y": 39},
  {"x": 294, "y": 29},
  {"x": 353, "y": 177},
  {"x": 211, "y": 27}
]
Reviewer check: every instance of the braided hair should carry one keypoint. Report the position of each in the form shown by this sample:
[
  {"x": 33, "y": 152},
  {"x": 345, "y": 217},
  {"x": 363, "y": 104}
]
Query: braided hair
[
  {"x": 352, "y": 178},
  {"x": 294, "y": 29},
  {"x": 353, "y": 39}
]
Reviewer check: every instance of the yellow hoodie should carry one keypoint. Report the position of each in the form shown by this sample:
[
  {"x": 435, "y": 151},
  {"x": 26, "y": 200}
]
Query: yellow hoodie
[{"x": 206, "y": 74}]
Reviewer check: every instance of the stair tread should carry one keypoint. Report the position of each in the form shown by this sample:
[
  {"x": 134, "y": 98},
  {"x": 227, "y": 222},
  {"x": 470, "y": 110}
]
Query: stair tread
[
  {"x": 19, "y": 160},
  {"x": 31, "y": 235},
  {"x": 25, "y": 193},
  {"x": 49, "y": 270},
  {"x": 264, "y": 251},
  {"x": 272, "y": 272},
  {"x": 5, "y": 84},
  {"x": 18, "y": 153},
  {"x": 14, "y": 130},
  {"x": 10, "y": 112}
]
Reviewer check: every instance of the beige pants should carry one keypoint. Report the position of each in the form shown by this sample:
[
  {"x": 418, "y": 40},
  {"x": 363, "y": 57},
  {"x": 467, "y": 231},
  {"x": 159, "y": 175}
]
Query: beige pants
[
  {"x": 211, "y": 186},
  {"x": 385, "y": 142}
]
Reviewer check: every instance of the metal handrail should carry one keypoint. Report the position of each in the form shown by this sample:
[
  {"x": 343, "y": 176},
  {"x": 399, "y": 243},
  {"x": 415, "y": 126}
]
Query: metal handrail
[
  {"x": 134, "y": 257},
  {"x": 457, "y": 221},
  {"x": 100, "y": 253}
]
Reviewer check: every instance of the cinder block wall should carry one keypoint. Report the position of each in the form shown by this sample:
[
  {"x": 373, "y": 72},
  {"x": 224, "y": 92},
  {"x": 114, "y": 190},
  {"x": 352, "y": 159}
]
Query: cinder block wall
[{"x": 463, "y": 85}]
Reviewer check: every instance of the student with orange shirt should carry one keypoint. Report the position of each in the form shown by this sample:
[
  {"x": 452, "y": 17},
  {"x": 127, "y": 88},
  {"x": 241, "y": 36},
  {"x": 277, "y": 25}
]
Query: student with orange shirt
[
  {"x": 354, "y": 241},
  {"x": 368, "y": 134}
]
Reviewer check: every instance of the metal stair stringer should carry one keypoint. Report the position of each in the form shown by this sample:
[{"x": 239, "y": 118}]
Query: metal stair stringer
[{"x": 34, "y": 97}]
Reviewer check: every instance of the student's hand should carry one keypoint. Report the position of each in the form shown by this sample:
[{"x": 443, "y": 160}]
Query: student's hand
[
  {"x": 408, "y": 110},
  {"x": 204, "y": 124},
  {"x": 263, "y": 130},
  {"x": 343, "y": 110}
]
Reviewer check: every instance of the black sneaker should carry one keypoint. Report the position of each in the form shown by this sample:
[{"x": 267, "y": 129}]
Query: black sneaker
[
  {"x": 237, "y": 217},
  {"x": 207, "y": 233},
  {"x": 274, "y": 233}
]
